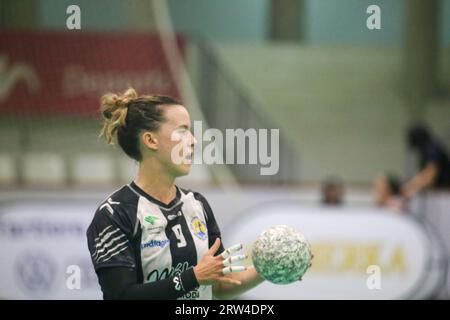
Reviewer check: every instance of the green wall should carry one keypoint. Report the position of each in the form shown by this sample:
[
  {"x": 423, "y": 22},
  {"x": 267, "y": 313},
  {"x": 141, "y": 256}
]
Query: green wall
[
  {"x": 327, "y": 21},
  {"x": 342, "y": 107}
]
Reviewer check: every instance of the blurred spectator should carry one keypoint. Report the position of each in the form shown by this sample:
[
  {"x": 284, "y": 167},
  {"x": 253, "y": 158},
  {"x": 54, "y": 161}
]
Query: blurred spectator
[
  {"x": 332, "y": 191},
  {"x": 387, "y": 193},
  {"x": 434, "y": 162}
]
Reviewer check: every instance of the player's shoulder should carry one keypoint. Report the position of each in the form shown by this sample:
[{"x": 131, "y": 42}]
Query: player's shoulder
[
  {"x": 200, "y": 198},
  {"x": 197, "y": 195},
  {"x": 121, "y": 202},
  {"x": 125, "y": 196},
  {"x": 118, "y": 209}
]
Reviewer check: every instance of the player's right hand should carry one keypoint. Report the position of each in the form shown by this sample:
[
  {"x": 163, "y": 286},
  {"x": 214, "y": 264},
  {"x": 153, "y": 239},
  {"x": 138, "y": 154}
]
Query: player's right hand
[{"x": 214, "y": 269}]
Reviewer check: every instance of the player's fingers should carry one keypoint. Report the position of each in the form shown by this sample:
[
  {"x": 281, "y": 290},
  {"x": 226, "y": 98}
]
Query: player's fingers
[
  {"x": 214, "y": 247},
  {"x": 229, "y": 281},
  {"x": 231, "y": 269},
  {"x": 231, "y": 250},
  {"x": 228, "y": 261}
]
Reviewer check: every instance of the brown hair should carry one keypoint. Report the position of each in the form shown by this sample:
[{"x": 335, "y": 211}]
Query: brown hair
[{"x": 126, "y": 115}]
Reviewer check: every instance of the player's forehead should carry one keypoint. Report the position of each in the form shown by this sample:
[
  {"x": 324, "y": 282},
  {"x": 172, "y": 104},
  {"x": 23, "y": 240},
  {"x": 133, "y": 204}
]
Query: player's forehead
[{"x": 177, "y": 115}]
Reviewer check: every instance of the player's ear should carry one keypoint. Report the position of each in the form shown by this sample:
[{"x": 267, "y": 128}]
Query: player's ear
[{"x": 150, "y": 140}]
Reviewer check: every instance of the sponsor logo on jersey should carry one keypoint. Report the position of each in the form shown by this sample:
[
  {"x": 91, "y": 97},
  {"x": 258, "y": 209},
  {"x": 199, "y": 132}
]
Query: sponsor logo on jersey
[
  {"x": 154, "y": 243},
  {"x": 157, "y": 275},
  {"x": 177, "y": 282},
  {"x": 194, "y": 294},
  {"x": 199, "y": 228},
  {"x": 151, "y": 219},
  {"x": 173, "y": 216}
]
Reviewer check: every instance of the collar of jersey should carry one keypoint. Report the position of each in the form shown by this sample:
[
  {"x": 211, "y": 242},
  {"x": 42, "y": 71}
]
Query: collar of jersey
[{"x": 155, "y": 201}]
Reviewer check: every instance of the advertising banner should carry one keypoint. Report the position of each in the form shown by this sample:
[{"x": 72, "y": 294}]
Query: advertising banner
[
  {"x": 359, "y": 253},
  {"x": 62, "y": 73}
]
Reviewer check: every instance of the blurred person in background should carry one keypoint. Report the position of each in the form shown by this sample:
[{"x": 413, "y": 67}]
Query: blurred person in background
[
  {"x": 434, "y": 162},
  {"x": 387, "y": 193},
  {"x": 332, "y": 192},
  {"x": 151, "y": 239}
]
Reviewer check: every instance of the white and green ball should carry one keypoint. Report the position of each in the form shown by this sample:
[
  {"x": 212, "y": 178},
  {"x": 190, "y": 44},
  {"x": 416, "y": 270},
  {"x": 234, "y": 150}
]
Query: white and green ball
[{"x": 281, "y": 255}]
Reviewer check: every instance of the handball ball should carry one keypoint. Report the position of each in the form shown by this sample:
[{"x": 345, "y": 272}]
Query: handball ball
[{"x": 281, "y": 255}]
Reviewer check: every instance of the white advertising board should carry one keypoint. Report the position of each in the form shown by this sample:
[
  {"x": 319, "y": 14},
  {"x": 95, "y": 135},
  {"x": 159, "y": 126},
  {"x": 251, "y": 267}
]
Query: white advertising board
[
  {"x": 41, "y": 240},
  {"x": 345, "y": 243}
]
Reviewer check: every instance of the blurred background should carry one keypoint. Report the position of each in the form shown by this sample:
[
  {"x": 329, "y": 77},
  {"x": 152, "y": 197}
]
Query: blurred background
[{"x": 343, "y": 96}]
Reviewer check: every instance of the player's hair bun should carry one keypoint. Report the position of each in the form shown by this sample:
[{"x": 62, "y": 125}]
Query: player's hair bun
[
  {"x": 114, "y": 109},
  {"x": 126, "y": 115}
]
